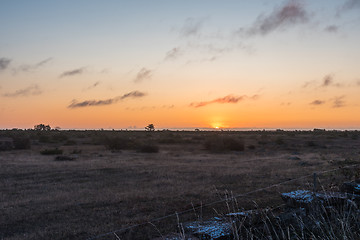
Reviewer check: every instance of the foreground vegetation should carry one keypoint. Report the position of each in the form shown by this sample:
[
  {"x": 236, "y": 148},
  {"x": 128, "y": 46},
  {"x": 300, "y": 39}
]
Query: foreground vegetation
[{"x": 121, "y": 178}]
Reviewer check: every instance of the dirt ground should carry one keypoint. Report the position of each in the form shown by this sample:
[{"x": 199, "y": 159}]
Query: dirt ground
[{"x": 102, "y": 190}]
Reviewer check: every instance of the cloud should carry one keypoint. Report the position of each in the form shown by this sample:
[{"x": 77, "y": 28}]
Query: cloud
[
  {"x": 74, "y": 72},
  {"x": 339, "y": 102},
  {"x": 173, "y": 54},
  {"x": 143, "y": 74},
  {"x": 31, "y": 67},
  {"x": 291, "y": 13},
  {"x": 4, "y": 63},
  {"x": 317, "y": 102},
  {"x": 29, "y": 91},
  {"x": 191, "y": 27},
  {"x": 328, "y": 80},
  {"x": 350, "y": 4},
  {"x": 88, "y": 103},
  {"x": 43, "y": 62},
  {"x": 331, "y": 29},
  {"x": 93, "y": 86},
  {"x": 168, "y": 106},
  {"x": 226, "y": 99},
  {"x": 309, "y": 84}
]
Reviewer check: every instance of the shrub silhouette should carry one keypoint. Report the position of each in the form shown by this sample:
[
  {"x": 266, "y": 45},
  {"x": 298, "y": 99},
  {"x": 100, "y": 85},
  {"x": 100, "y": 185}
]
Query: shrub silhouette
[{"x": 150, "y": 127}]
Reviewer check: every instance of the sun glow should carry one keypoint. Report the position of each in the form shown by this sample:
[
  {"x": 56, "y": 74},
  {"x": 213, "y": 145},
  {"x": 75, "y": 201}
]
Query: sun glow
[{"x": 217, "y": 125}]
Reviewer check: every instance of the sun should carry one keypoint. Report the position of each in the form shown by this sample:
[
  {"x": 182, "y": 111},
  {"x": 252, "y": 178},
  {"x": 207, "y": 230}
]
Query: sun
[{"x": 216, "y": 125}]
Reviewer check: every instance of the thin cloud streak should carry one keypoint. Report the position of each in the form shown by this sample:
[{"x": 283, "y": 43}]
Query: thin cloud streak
[
  {"x": 291, "y": 13},
  {"x": 4, "y": 63},
  {"x": 143, "y": 74},
  {"x": 339, "y": 102},
  {"x": 29, "y": 91},
  {"x": 350, "y": 4},
  {"x": 317, "y": 102},
  {"x": 74, "y": 72},
  {"x": 332, "y": 29},
  {"x": 329, "y": 81},
  {"x": 31, "y": 67},
  {"x": 93, "y": 86},
  {"x": 191, "y": 27},
  {"x": 88, "y": 103},
  {"x": 173, "y": 54},
  {"x": 223, "y": 100}
]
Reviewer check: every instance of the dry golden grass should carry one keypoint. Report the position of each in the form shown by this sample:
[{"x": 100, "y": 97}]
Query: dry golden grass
[{"x": 103, "y": 190}]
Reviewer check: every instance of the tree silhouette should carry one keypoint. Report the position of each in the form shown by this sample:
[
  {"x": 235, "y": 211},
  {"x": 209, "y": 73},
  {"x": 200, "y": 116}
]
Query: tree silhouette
[
  {"x": 150, "y": 127},
  {"x": 42, "y": 127}
]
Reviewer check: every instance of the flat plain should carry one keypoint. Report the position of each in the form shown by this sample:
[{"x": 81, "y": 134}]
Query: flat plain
[{"x": 81, "y": 184}]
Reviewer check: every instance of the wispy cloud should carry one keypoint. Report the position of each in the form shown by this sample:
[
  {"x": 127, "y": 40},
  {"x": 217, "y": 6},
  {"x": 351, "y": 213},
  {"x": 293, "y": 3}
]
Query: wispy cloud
[
  {"x": 4, "y": 63},
  {"x": 92, "y": 86},
  {"x": 88, "y": 103},
  {"x": 31, "y": 67},
  {"x": 349, "y": 4},
  {"x": 191, "y": 27},
  {"x": 331, "y": 28},
  {"x": 226, "y": 99},
  {"x": 143, "y": 74},
  {"x": 291, "y": 13},
  {"x": 73, "y": 72},
  {"x": 339, "y": 102},
  {"x": 29, "y": 91},
  {"x": 328, "y": 80},
  {"x": 317, "y": 102},
  {"x": 309, "y": 84},
  {"x": 173, "y": 54}
]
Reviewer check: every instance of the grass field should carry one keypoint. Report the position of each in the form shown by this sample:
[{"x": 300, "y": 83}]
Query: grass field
[{"x": 107, "y": 180}]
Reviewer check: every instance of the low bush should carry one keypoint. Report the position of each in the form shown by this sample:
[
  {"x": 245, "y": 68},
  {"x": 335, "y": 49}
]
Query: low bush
[
  {"x": 222, "y": 144},
  {"x": 44, "y": 138},
  {"x": 70, "y": 143},
  {"x": 251, "y": 147},
  {"x": 279, "y": 141},
  {"x": 311, "y": 144},
  {"x": 21, "y": 143},
  {"x": 149, "y": 148},
  {"x": 54, "y": 151},
  {"x": 64, "y": 158},
  {"x": 76, "y": 151},
  {"x": 118, "y": 143},
  {"x": 59, "y": 137}
]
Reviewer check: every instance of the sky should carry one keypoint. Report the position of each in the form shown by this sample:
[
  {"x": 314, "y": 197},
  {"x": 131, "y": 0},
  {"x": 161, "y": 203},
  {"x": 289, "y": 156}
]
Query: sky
[{"x": 91, "y": 64}]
